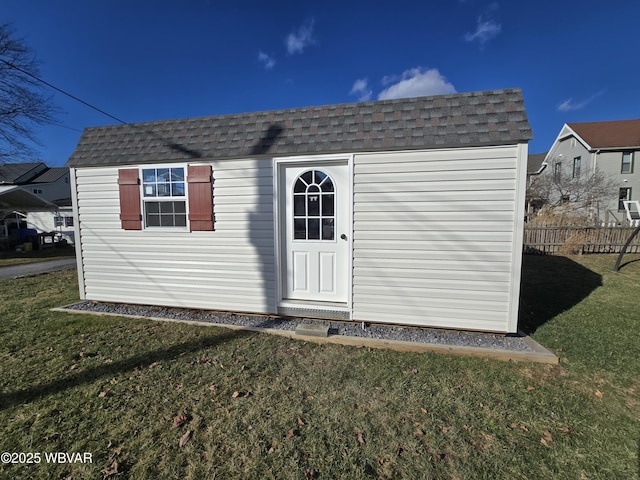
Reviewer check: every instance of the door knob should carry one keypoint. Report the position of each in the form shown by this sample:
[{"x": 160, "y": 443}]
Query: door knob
[{"x": 343, "y": 236}]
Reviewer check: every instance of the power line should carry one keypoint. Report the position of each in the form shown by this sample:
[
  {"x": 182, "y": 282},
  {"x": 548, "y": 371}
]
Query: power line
[
  {"x": 65, "y": 126},
  {"x": 62, "y": 91}
]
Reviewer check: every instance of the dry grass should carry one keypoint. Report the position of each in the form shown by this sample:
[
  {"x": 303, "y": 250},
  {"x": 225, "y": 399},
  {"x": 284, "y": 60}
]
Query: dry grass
[{"x": 260, "y": 406}]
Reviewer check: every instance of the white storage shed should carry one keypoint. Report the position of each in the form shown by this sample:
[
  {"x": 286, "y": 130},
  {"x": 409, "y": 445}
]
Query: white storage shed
[{"x": 404, "y": 211}]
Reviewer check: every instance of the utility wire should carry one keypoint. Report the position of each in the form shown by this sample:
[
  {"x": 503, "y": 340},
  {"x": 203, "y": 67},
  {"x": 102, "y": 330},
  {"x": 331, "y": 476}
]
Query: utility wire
[
  {"x": 65, "y": 126},
  {"x": 62, "y": 91}
]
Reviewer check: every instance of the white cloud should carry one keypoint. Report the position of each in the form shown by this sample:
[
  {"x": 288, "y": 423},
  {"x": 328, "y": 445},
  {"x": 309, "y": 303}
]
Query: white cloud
[
  {"x": 388, "y": 79},
  {"x": 297, "y": 41},
  {"x": 362, "y": 90},
  {"x": 266, "y": 60},
  {"x": 417, "y": 82},
  {"x": 569, "y": 105},
  {"x": 487, "y": 27},
  {"x": 485, "y": 31}
]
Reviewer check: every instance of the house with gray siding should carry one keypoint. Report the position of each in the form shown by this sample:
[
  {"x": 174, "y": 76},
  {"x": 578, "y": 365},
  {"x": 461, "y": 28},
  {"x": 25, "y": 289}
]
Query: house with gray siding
[
  {"x": 404, "y": 211},
  {"x": 610, "y": 147}
]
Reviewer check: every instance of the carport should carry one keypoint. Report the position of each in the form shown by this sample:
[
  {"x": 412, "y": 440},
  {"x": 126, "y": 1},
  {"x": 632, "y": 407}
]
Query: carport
[{"x": 14, "y": 202}]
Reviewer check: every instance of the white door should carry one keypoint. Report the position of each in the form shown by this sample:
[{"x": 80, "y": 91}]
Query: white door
[{"x": 315, "y": 232}]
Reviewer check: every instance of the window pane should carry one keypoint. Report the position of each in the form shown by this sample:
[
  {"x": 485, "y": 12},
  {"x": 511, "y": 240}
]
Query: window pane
[
  {"x": 622, "y": 196},
  {"x": 300, "y": 187},
  {"x": 163, "y": 175},
  {"x": 327, "y": 186},
  {"x": 164, "y": 189},
  {"x": 313, "y": 205},
  {"x": 327, "y": 229},
  {"x": 153, "y": 220},
  {"x": 557, "y": 172},
  {"x": 165, "y": 214},
  {"x": 149, "y": 190},
  {"x": 307, "y": 177},
  {"x": 149, "y": 175},
  {"x": 314, "y": 228},
  {"x": 68, "y": 221},
  {"x": 299, "y": 229},
  {"x": 166, "y": 207},
  {"x": 319, "y": 176},
  {"x": 177, "y": 189},
  {"x": 177, "y": 174},
  {"x": 179, "y": 207},
  {"x": 298, "y": 205},
  {"x": 327, "y": 205}
]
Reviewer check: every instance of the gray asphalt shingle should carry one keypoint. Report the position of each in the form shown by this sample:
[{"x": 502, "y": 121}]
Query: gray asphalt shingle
[{"x": 467, "y": 119}]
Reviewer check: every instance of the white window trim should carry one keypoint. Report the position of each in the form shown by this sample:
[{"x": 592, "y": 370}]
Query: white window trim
[
  {"x": 620, "y": 199},
  {"x": 577, "y": 161},
  {"x": 144, "y": 199},
  {"x": 622, "y": 163}
]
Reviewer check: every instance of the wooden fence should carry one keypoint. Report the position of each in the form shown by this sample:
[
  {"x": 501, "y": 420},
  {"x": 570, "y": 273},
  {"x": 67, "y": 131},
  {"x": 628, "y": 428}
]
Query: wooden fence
[{"x": 576, "y": 239}]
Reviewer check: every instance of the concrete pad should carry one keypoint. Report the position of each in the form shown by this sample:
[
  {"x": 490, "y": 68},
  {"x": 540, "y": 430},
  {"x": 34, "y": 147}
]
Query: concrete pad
[{"x": 312, "y": 330}]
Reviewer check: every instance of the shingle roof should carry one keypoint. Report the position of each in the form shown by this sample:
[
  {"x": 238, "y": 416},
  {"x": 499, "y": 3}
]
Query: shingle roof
[
  {"x": 10, "y": 172},
  {"x": 614, "y": 134},
  {"x": 51, "y": 175},
  {"x": 466, "y": 119},
  {"x": 534, "y": 162}
]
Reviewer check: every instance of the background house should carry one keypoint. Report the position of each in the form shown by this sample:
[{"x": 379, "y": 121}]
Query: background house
[
  {"x": 53, "y": 213},
  {"x": 535, "y": 166},
  {"x": 610, "y": 147},
  {"x": 403, "y": 211}
]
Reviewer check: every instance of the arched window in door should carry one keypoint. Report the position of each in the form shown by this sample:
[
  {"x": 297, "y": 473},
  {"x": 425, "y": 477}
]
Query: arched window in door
[{"x": 314, "y": 206}]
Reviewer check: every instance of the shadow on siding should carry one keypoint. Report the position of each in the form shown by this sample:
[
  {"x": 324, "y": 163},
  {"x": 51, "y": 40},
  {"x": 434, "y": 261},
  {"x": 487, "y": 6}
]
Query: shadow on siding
[
  {"x": 268, "y": 268},
  {"x": 551, "y": 285}
]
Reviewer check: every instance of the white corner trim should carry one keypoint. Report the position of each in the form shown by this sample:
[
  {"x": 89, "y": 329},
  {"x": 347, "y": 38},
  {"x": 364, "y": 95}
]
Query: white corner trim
[
  {"x": 518, "y": 233},
  {"x": 76, "y": 233}
]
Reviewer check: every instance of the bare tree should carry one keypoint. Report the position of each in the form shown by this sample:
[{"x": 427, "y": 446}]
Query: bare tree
[
  {"x": 581, "y": 195},
  {"x": 23, "y": 104}
]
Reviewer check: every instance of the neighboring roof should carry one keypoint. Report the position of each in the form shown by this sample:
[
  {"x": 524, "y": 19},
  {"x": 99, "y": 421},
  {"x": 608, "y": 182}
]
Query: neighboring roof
[
  {"x": 466, "y": 119},
  {"x": 51, "y": 175},
  {"x": 10, "y": 172},
  {"x": 13, "y": 197},
  {"x": 62, "y": 202},
  {"x": 534, "y": 162},
  {"x": 614, "y": 134}
]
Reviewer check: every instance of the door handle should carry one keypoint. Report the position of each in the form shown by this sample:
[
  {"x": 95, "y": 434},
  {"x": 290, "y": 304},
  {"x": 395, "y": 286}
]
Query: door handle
[{"x": 343, "y": 236}]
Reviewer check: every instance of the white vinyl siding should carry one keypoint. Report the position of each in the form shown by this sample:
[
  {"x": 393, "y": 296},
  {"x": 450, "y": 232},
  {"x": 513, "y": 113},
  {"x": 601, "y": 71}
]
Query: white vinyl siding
[
  {"x": 434, "y": 237},
  {"x": 231, "y": 268}
]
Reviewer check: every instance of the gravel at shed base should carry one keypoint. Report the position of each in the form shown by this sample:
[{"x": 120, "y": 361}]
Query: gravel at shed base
[{"x": 351, "y": 329}]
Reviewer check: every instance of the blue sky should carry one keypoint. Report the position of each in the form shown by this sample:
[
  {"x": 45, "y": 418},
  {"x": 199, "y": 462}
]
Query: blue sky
[{"x": 143, "y": 60}]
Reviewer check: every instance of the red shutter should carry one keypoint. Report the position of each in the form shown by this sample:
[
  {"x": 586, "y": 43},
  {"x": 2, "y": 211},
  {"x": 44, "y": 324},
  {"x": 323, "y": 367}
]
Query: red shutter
[
  {"x": 130, "y": 216},
  {"x": 200, "y": 197}
]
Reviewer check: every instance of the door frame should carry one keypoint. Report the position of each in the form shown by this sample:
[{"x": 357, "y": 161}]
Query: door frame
[{"x": 279, "y": 218}]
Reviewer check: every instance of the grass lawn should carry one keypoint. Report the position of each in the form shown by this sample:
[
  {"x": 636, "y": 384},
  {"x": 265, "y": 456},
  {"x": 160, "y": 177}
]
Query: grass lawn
[{"x": 163, "y": 401}]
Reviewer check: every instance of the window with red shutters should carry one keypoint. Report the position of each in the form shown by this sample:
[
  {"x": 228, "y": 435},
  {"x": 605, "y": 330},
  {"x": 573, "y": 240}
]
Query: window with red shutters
[{"x": 162, "y": 190}]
